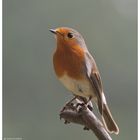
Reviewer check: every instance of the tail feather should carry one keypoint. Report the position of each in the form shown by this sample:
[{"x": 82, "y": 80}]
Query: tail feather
[{"x": 108, "y": 120}]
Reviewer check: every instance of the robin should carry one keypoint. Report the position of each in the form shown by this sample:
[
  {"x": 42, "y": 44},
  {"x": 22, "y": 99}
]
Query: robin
[{"x": 78, "y": 72}]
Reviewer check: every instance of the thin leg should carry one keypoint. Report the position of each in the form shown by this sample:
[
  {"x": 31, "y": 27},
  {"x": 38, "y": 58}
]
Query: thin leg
[
  {"x": 68, "y": 103},
  {"x": 82, "y": 99},
  {"x": 89, "y": 99},
  {"x": 88, "y": 105},
  {"x": 71, "y": 100},
  {"x": 86, "y": 102}
]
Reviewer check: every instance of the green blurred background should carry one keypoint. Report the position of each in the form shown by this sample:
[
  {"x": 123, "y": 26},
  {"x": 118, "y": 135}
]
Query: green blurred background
[{"x": 33, "y": 97}]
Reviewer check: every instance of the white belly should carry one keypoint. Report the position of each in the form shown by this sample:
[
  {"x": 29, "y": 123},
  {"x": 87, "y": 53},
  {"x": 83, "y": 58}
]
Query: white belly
[{"x": 81, "y": 88}]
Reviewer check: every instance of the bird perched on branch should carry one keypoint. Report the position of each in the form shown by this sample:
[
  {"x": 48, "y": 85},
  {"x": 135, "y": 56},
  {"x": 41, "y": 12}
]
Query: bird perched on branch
[{"x": 78, "y": 72}]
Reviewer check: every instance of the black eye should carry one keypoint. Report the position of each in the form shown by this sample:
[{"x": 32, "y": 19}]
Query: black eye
[{"x": 70, "y": 35}]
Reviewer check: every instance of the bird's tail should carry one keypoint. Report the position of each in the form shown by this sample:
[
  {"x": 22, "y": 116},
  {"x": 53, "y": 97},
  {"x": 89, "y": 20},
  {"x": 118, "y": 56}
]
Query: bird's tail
[{"x": 108, "y": 120}]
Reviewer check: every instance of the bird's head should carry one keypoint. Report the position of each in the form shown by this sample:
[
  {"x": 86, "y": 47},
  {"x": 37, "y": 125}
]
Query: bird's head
[{"x": 68, "y": 37}]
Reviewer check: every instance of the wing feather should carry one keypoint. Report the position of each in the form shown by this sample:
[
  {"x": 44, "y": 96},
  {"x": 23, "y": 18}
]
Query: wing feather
[{"x": 95, "y": 79}]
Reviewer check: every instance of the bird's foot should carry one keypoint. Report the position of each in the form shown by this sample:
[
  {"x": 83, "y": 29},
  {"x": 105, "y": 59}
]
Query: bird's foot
[{"x": 86, "y": 128}]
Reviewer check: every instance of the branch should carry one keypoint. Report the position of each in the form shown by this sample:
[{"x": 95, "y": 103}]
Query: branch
[{"x": 81, "y": 114}]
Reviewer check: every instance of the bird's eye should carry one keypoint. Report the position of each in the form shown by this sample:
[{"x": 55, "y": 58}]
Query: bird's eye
[{"x": 70, "y": 35}]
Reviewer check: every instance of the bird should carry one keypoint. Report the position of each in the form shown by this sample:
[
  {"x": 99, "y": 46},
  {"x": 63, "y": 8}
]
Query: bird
[{"x": 76, "y": 69}]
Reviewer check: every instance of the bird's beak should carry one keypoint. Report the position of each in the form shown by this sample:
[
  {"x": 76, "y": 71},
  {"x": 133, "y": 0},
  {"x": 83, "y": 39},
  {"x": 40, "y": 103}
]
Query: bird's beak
[
  {"x": 56, "y": 32},
  {"x": 53, "y": 31}
]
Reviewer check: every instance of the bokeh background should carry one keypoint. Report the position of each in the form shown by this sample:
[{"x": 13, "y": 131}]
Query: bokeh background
[{"x": 33, "y": 97}]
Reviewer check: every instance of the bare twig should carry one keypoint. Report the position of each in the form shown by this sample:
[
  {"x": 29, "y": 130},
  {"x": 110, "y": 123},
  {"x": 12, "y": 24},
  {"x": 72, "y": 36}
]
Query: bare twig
[{"x": 81, "y": 114}]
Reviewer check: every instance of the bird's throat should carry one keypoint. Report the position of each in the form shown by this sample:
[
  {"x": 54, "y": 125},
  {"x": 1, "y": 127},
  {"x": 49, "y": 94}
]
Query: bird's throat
[{"x": 70, "y": 61}]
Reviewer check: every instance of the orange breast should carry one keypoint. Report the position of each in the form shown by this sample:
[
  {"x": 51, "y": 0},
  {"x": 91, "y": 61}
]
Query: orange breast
[{"x": 69, "y": 60}]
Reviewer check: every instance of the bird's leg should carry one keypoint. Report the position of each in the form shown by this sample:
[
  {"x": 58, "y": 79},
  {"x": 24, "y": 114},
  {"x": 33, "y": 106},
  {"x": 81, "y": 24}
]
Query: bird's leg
[
  {"x": 89, "y": 99},
  {"x": 86, "y": 128},
  {"x": 88, "y": 105},
  {"x": 85, "y": 102},
  {"x": 82, "y": 99},
  {"x": 71, "y": 100},
  {"x": 82, "y": 102},
  {"x": 69, "y": 103}
]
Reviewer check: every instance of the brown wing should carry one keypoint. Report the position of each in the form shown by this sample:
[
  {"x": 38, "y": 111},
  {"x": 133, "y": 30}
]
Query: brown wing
[{"x": 95, "y": 79}]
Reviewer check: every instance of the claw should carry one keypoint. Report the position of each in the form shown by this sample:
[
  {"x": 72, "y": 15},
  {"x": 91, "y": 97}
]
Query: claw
[
  {"x": 80, "y": 104},
  {"x": 90, "y": 107},
  {"x": 66, "y": 122},
  {"x": 63, "y": 109},
  {"x": 86, "y": 128}
]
